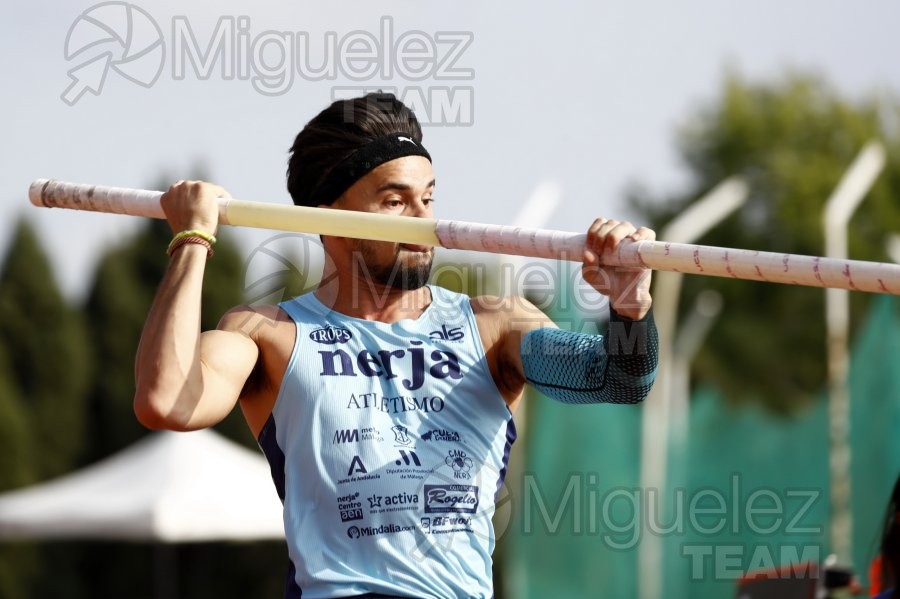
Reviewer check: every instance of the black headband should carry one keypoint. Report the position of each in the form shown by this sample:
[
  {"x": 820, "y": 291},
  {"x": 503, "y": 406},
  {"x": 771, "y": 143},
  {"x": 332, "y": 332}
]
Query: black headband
[{"x": 363, "y": 160}]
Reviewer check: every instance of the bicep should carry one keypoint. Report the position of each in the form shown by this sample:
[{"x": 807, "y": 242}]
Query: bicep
[
  {"x": 227, "y": 359},
  {"x": 509, "y": 320}
]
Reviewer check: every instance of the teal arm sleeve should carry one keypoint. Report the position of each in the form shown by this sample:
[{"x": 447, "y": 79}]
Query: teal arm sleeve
[{"x": 576, "y": 368}]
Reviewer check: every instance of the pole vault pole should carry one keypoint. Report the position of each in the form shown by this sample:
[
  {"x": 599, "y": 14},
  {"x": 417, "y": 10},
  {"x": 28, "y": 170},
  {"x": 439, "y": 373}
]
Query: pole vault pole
[{"x": 751, "y": 265}]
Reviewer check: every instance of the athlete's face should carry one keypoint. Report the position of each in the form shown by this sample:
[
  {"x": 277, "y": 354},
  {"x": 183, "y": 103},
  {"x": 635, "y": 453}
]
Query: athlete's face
[{"x": 401, "y": 187}]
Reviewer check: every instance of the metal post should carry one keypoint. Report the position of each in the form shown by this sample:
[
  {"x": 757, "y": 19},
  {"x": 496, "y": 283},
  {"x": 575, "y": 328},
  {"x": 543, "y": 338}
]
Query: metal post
[
  {"x": 691, "y": 224},
  {"x": 838, "y": 209}
]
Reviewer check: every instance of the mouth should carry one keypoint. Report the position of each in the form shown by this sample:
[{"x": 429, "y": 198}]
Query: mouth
[{"x": 412, "y": 247}]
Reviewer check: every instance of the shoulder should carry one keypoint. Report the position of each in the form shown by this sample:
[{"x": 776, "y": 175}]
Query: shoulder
[
  {"x": 509, "y": 312},
  {"x": 253, "y": 320}
]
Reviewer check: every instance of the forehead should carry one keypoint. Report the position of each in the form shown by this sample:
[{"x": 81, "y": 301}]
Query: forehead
[{"x": 413, "y": 171}]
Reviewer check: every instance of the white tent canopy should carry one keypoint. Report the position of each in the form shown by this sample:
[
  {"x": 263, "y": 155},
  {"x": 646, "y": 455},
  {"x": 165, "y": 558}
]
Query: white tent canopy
[{"x": 172, "y": 487}]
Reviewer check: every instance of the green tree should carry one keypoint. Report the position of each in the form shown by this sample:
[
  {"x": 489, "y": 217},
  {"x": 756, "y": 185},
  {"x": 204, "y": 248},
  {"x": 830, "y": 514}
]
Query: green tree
[
  {"x": 792, "y": 140},
  {"x": 18, "y": 562},
  {"x": 17, "y": 455},
  {"x": 44, "y": 341}
]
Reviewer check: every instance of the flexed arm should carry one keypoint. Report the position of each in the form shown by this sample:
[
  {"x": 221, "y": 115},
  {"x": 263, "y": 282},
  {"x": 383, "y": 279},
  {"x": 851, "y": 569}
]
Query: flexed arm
[
  {"x": 185, "y": 380},
  {"x": 571, "y": 367}
]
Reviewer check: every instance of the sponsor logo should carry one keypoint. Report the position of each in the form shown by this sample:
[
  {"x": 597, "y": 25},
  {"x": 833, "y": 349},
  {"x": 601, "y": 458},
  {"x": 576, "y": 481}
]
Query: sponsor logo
[
  {"x": 355, "y": 532},
  {"x": 440, "y": 434},
  {"x": 393, "y": 502},
  {"x": 451, "y": 521},
  {"x": 460, "y": 463},
  {"x": 356, "y": 467},
  {"x": 358, "y": 472},
  {"x": 445, "y": 334},
  {"x": 355, "y": 435},
  {"x": 425, "y": 523},
  {"x": 415, "y": 362},
  {"x": 350, "y": 507},
  {"x": 408, "y": 458},
  {"x": 351, "y": 515},
  {"x": 409, "y": 466},
  {"x": 445, "y": 499},
  {"x": 401, "y": 435},
  {"x": 331, "y": 335}
]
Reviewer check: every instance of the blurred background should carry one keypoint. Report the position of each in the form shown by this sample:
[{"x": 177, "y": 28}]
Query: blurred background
[{"x": 745, "y": 458}]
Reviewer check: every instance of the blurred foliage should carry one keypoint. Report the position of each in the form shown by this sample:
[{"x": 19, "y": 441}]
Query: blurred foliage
[
  {"x": 17, "y": 450},
  {"x": 791, "y": 140},
  {"x": 48, "y": 367},
  {"x": 18, "y": 564}
]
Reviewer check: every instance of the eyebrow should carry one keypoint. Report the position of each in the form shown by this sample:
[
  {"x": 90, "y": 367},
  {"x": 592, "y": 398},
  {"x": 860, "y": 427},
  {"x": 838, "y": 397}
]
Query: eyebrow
[{"x": 400, "y": 186}]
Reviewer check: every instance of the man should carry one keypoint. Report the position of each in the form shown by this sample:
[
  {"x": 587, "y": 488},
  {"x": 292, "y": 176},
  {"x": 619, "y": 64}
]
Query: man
[{"x": 383, "y": 404}]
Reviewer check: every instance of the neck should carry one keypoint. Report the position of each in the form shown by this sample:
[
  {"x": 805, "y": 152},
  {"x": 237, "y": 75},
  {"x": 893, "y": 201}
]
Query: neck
[{"x": 360, "y": 297}]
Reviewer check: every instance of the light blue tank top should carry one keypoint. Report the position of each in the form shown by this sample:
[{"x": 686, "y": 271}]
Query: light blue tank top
[{"x": 388, "y": 445}]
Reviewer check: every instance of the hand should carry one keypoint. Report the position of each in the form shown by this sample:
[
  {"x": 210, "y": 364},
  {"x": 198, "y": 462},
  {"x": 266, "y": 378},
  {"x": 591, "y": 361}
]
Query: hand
[
  {"x": 628, "y": 289},
  {"x": 193, "y": 205}
]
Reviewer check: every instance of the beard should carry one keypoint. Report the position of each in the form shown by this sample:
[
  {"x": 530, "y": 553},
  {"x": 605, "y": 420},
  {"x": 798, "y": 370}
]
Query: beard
[{"x": 399, "y": 274}]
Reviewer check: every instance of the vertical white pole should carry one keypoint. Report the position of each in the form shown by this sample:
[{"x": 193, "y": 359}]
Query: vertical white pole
[
  {"x": 691, "y": 224},
  {"x": 688, "y": 342},
  {"x": 838, "y": 209},
  {"x": 893, "y": 248}
]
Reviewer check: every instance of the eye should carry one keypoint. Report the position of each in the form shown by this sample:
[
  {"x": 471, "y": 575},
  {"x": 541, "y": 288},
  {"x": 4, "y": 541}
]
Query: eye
[{"x": 428, "y": 201}]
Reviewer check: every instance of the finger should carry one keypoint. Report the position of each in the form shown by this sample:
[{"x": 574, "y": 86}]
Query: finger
[
  {"x": 596, "y": 276},
  {"x": 597, "y": 234},
  {"x": 643, "y": 234},
  {"x": 219, "y": 192},
  {"x": 590, "y": 250},
  {"x": 615, "y": 236}
]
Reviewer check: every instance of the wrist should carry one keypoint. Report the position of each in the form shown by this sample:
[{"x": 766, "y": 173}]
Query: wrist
[
  {"x": 199, "y": 227},
  {"x": 632, "y": 310},
  {"x": 192, "y": 237}
]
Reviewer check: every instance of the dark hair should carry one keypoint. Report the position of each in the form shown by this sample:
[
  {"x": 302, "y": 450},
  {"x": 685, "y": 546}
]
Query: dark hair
[
  {"x": 333, "y": 134},
  {"x": 890, "y": 542}
]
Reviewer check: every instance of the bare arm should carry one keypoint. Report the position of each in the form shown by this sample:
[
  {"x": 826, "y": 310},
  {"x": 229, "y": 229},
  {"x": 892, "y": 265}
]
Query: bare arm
[{"x": 186, "y": 380}]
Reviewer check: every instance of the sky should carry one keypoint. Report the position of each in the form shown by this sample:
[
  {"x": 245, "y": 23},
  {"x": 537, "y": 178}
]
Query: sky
[{"x": 586, "y": 95}]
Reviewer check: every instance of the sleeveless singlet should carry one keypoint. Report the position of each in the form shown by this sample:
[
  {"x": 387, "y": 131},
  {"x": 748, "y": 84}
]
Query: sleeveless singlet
[{"x": 388, "y": 445}]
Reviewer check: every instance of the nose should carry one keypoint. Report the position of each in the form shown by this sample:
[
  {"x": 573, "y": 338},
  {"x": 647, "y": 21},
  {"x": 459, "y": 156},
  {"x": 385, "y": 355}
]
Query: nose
[{"x": 419, "y": 209}]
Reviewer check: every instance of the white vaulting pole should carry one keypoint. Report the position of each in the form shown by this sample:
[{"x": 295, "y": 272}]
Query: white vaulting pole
[
  {"x": 539, "y": 243},
  {"x": 851, "y": 190}
]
